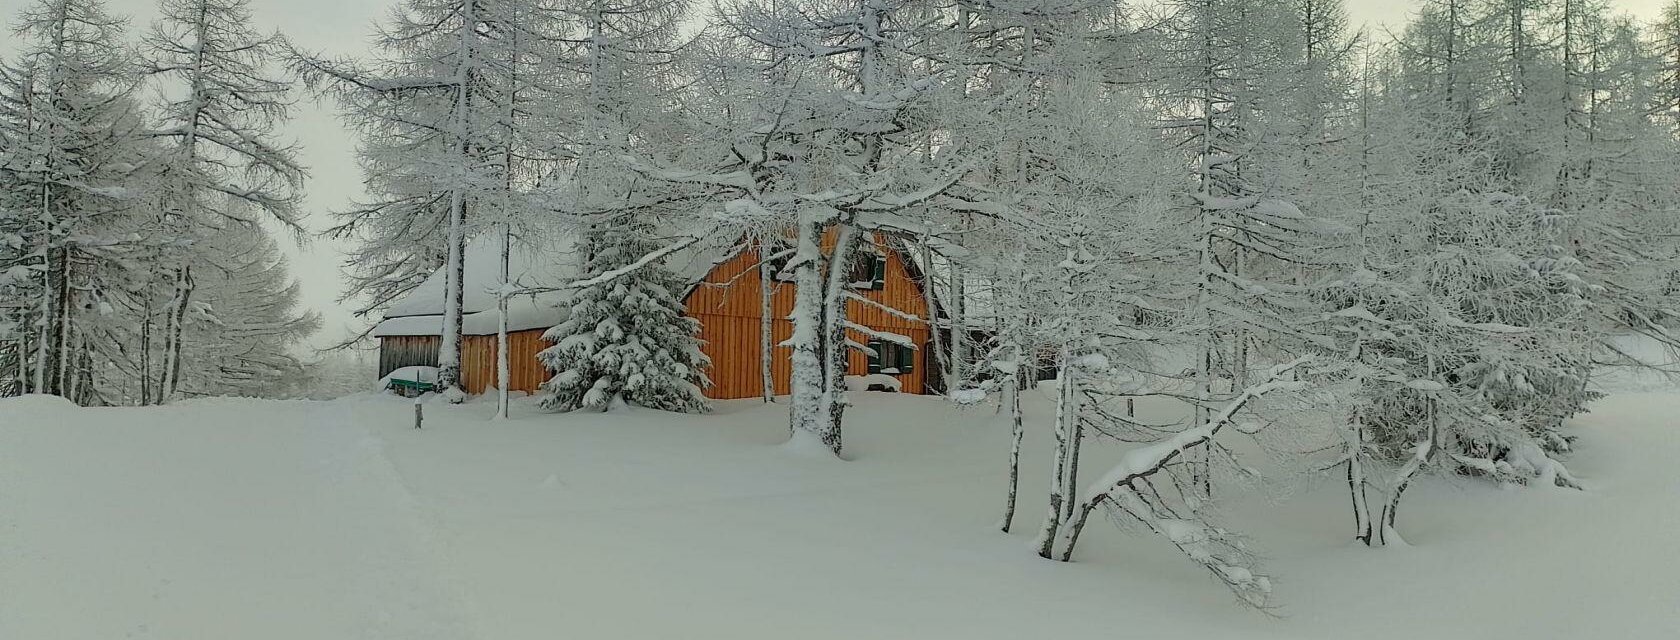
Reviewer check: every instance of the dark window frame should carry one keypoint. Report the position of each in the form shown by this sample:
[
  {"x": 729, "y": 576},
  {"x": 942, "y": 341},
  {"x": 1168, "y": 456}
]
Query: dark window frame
[{"x": 902, "y": 357}]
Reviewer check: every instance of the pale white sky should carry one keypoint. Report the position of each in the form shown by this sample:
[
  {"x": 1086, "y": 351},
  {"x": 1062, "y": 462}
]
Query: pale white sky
[{"x": 342, "y": 27}]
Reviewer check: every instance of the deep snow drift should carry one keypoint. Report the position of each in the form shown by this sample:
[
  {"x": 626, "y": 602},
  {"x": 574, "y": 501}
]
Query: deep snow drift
[{"x": 255, "y": 519}]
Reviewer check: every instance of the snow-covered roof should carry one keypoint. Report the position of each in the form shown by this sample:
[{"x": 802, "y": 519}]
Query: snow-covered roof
[{"x": 541, "y": 262}]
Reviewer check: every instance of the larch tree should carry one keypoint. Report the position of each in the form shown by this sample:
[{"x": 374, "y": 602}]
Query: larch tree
[
  {"x": 69, "y": 177},
  {"x": 823, "y": 138},
  {"x": 427, "y": 123},
  {"x": 219, "y": 113}
]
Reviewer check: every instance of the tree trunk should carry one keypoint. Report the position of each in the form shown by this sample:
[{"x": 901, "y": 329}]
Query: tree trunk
[
  {"x": 177, "y": 321},
  {"x": 766, "y": 323},
  {"x": 503, "y": 375},
  {"x": 1386, "y": 535},
  {"x": 1356, "y": 483},
  {"x": 836, "y": 351},
  {"x": 1060, "y": 493},
  {"x": 1012, "y": 387},
  {"x": 449, "y": 348},
  {"x": 146, "y": 347},
  {"x": 61, "y": 381},
  {"x": 930, "y": 286},
  {"x": 807, "y": 410}
]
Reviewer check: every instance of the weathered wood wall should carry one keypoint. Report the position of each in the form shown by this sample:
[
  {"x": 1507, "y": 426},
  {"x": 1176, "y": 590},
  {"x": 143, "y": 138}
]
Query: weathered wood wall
[
  {"x": 525, "y": 373},
  {"x": 727, "y": 306},
  {"x": 404, "y": 351}
]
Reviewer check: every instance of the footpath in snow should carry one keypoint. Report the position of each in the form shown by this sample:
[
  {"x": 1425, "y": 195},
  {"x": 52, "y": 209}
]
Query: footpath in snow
[
  {"x": 215, "y": 519},
  {"x": 245, "y": 519}
]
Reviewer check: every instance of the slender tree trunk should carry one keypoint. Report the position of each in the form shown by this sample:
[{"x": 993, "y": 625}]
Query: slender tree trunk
[
  {"x": 503, "y": 374},
  {"x": 1421, "y": 454},
  {"x": 177, "y": 322},
  {"x": 44, "y": 333},
  {"x": 959, "y": 329},
  {"x": 766, "y": 323},
  {"x": 930, "y": 286},
  {"x": 1356, "y": 481},
  {"x": 1012, "y": 387},
  {"x": 1060, "y": 493},
  {"x": 146, "y": 347},
  {"x": 61, "y": 383}
]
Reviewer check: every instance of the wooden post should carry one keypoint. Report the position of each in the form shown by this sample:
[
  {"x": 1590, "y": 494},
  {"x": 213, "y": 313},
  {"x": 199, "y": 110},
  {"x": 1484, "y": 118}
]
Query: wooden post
[{"x": 419, "y": 413}]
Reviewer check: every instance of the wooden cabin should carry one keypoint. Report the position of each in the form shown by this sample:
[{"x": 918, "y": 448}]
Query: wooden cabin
[{"x": 724, "y": 295}]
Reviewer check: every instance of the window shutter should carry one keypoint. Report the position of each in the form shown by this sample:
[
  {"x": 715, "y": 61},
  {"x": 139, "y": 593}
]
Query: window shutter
[
  {"x": 879, "y": 271},
  {"x": 906, "y": 359},
  {"x": 875, "y": 348}
]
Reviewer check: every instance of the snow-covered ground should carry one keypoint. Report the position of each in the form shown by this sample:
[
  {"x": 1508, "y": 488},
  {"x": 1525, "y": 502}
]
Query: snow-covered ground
[{"x": 246, "y": 519}]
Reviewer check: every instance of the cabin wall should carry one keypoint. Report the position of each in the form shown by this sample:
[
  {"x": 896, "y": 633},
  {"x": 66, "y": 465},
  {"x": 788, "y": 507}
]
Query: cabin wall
[
  {"x": 396, "y": 352},
  {"x": 727, "y": 306},
  {"x": 525, "y": 372}
]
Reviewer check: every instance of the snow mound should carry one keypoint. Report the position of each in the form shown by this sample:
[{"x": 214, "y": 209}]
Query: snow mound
[
  {"x": 874, "y": 382},
  {"x": 35, "y": 403}
]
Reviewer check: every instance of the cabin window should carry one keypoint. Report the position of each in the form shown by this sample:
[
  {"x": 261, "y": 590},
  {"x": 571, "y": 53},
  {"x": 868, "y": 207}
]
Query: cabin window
[
  {"x": 869, "y": 271},
  {"x": 777, "y": 264},
  {"x": 891, "y": 358}
]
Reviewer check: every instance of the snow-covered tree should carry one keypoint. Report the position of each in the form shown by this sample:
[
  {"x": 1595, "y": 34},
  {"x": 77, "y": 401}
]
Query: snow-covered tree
[
  {"x": 241, "y": 333},
  {"x": 625, "y": 338},
  {"x": 68, "y": 176},
  {"x": 821, "y": 132},
  {"x": 425, "y": 112},
  {"x": 1232, "y": 66},
  {"x": 222, "y": 166}
]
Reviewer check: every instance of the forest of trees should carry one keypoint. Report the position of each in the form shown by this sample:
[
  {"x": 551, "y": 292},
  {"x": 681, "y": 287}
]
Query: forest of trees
[
  {"x": 136, "y": 180},
  {"x": 1432, "y": 235}
]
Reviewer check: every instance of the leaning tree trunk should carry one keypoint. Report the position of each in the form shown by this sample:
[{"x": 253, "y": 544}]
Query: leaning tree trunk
[
  {"x": 1067, "y": 415},
  {"x": 1421, "y": 455},
  {"x": 1012, "y": 387}
]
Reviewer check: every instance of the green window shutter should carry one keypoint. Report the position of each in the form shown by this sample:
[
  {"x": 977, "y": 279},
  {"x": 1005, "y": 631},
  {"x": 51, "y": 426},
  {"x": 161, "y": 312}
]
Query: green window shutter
[
  {"x": 906, "y": 359},
  {"x": 879, "y": 271},
  {"x": 875, "y": 347}
]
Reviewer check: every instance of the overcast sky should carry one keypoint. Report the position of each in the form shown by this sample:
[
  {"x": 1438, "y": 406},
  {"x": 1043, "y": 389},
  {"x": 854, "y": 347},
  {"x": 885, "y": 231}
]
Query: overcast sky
[{"x": 342, "y": 27}]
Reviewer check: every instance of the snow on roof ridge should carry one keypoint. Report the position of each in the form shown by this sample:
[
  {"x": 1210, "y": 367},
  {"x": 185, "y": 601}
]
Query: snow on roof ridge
[{"x": 532, "y": 263}]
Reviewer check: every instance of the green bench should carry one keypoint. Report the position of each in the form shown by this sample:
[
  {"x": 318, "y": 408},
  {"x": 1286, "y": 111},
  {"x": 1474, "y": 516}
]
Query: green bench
[{"x": 410, "y": 388}]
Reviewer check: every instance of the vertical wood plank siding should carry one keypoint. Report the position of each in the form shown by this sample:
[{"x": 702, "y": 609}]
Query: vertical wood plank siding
[
  {"x": 402, "y": 351},
  {"x": 727, "y": 306},
  {"x": 478, "y": 361}
]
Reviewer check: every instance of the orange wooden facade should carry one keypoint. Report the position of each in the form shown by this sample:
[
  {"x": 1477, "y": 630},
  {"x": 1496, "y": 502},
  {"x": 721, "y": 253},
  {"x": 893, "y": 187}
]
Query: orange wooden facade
[
  {"x": 727, "y": 305},
  {"x": 525, "y": 373}
]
